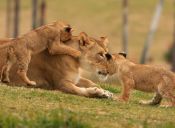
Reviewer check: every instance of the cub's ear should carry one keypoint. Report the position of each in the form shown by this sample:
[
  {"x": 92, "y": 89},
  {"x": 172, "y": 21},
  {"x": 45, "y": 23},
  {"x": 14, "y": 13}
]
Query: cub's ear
[
  {"x": 108, "y": 56},
  {"x": 104, "y": 40},
  {"x": 68, "y": 29},
  {"x": 122, "y": 54}
]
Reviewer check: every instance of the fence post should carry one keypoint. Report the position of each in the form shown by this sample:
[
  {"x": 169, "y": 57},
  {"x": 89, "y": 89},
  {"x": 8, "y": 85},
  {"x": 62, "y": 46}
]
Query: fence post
[
  {"x": 148, "y": 41},
  {"x": 16, "y": 17},
  {"x": 34, "y": 13},
  {"x": 125, "y": 26},
  {"x": 43, "y": 12},
  {"x": 173, "y": 52},
  {"x": 8, "y": 18}
]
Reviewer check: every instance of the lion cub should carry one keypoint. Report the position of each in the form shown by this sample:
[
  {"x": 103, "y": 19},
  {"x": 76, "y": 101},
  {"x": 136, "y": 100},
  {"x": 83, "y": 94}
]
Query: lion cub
[
  {"x": 20, "y": 50},
  {"x": 145, "y": 78}
]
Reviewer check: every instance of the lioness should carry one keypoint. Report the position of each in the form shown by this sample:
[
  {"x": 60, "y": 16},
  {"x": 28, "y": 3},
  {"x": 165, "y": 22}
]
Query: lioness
[
  {"x": 62, "y": 72},
  {"x": 145, "y": 78},
  {"x": 51, "y": 37}
]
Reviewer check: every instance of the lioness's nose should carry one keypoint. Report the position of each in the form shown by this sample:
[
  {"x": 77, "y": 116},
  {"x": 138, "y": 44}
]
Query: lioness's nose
[{"x": 99, "y": 72}]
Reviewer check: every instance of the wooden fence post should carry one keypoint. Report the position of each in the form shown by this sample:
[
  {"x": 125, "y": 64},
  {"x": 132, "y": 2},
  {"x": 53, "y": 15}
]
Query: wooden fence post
[
  {"x": 8, "y": 18},
  {"x": 148, "y": 41},
  {"x": 34, "y": 13},
  {"x": 16, "y": 17},
  {"x": 173, "y": 49},
  {"x": 43, "y": 12},
  {"x": 125, "y": 26}
]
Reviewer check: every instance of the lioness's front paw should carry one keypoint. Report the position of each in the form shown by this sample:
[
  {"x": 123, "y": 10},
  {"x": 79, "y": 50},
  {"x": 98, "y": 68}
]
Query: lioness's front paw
[
  {"x": 108, "y": 94},
  {"x": 100, "y": 93}
]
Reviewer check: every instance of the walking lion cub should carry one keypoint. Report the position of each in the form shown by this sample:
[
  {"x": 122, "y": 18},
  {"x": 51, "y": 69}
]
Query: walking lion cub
[
  {"x": 145, "y": 78},
  {"x": 20, "y": 50}
]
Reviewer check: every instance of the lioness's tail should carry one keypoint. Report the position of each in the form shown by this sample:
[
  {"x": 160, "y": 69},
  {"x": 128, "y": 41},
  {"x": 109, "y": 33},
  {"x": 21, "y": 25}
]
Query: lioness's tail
[{"x": 5, "y": 43}]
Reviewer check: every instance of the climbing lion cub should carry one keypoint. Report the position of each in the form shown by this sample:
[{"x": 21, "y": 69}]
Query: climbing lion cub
[
  {"x": 20, "y": 50},
  {"x": 145, "y": 78}
]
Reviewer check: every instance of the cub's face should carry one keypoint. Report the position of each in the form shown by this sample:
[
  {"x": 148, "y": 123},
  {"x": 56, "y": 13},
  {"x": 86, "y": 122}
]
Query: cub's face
[
  {"x": 109, "y": 66},
  {"x": 66, "y": 33}
]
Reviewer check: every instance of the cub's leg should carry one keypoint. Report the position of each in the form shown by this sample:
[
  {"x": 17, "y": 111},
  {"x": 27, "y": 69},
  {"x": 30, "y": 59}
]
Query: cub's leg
[
  {"x": 11, "y": 59},
  {"x": 57, "y": 48},
  {"x": 128, "y": 84},
  {"x": 23, "y": 62},
  {"x": 154, "y": 101},
  {"x": 5, "y": 72},
  {"x": 167, "y": 92}
]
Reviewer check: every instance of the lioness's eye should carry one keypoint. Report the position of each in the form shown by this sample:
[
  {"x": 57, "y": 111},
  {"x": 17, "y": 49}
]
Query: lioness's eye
[{"x": 100, "y": 54}]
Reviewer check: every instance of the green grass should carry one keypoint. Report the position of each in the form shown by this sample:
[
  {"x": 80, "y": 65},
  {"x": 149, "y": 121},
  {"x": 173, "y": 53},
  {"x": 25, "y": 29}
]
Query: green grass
[{"x": 24, "y": 107}]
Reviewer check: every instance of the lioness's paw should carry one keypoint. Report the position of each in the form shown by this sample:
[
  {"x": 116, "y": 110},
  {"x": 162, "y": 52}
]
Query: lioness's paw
[
  {"x": 98, "y": 92},
  {"x": 108, "y": 94}
]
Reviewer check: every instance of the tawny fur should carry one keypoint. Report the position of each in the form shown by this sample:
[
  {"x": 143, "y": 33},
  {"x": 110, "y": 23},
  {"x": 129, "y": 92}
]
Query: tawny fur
[
  {"x": 61, "y": 72},
  {"x": 145, "y": 78},
  {"x": 51, "y": 37}
]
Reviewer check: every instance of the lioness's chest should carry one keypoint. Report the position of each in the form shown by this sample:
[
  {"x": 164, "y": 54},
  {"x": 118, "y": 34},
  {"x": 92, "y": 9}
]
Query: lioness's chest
[{"x": 74, "y": 77}]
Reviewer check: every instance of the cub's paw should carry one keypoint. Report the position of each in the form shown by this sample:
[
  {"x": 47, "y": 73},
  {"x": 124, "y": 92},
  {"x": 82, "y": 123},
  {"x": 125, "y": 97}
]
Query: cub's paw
[
  {"x": 167, "y": 105},
  {"x": 6, "y": 80},
  {"x": 77, "y": 54},
  {"x": 120, "y": 98},
  {"x": 32, "y": 83}
]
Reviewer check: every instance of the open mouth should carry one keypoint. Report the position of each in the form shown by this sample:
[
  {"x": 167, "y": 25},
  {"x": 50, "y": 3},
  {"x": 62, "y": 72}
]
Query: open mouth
[{"x": 103, "y": 76}]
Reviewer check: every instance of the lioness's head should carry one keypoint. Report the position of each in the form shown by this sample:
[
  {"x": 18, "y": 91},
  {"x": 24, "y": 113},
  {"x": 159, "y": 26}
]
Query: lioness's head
[
  {"x": 94, "y": 51},
  {"x": 110, "y": 65}
]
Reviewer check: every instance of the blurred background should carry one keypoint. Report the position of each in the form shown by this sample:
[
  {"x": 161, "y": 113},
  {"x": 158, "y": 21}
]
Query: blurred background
[{"x": 142, "y": 28}]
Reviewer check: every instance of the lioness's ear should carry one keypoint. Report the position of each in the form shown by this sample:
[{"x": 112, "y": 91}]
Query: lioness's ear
[
  {"x": 84, "y": 40},
  {"x": 123, "y": 54},
  {"x": 104, "y": 40}
]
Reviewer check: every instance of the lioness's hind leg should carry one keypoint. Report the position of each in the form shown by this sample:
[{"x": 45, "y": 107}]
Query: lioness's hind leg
[{"x": 23, "y": 63}]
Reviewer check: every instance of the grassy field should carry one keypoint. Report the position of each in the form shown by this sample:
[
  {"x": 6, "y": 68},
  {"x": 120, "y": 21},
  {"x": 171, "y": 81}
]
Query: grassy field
[{"x": 35, "y": 108}]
